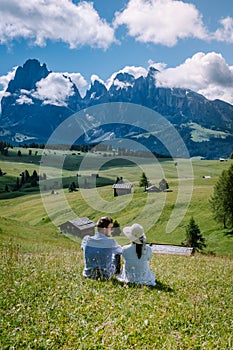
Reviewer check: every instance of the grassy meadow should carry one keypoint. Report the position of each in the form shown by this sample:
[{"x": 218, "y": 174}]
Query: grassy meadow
[{"x": 47, "y": 304}]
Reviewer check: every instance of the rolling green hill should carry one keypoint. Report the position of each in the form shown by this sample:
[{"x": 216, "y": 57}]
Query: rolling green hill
[
  {"x": 45, "y": 301},
  {"x": 43, "y": 211}
]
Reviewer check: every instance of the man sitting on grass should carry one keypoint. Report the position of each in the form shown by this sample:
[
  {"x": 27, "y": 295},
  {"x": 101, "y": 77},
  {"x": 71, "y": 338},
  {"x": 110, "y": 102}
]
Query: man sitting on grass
[{"x": 101, "y": 253}]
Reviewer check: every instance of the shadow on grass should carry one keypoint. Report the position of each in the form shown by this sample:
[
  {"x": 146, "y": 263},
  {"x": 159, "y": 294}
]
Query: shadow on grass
[
  {"x": 159, "y": 286},
  {"x": 229, "y": 233}
]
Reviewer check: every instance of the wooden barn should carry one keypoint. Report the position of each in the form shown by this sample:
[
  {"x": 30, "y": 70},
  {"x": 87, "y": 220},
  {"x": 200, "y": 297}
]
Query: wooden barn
[
  {"x": 121, "y": 189},
  {"x": 153, "y": 188},
  {"x": 79, "y": 227}
]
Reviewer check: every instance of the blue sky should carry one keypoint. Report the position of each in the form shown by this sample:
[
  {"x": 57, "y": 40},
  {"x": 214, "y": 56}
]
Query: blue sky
[{"x": 190, "y": 42}]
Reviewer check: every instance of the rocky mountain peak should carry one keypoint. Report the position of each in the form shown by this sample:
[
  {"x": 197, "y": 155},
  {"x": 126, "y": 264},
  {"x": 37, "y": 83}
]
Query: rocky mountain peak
[
  {"x": 96, "y": 90},
  {"x": 124, "y": 77},
  {"x": 27, "y": 76}
]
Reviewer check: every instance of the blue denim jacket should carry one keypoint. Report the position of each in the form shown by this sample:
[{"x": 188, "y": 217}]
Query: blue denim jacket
[{"x": 99, "y": 256}]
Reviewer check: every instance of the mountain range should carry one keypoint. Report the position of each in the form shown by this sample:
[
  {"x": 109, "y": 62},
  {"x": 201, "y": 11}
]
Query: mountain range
[{"x": 32, "y": 108}]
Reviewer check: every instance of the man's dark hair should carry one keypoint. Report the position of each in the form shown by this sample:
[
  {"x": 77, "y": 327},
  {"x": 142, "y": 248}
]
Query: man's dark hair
[{"x": 104, "y": 222}]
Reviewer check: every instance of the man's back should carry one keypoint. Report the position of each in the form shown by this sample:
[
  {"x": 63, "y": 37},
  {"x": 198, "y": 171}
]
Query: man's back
[{"x": 99, "y": 253}]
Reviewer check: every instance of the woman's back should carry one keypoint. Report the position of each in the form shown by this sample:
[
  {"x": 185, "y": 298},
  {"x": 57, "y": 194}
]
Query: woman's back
[{"x": 136, "y": 270}]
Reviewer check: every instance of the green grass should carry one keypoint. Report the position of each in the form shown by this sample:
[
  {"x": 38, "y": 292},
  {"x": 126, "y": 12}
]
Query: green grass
[
  {"x": 200, "y": 134},
  {"x": 152, "y": 210},
  {"x": 45, "y": 302}
]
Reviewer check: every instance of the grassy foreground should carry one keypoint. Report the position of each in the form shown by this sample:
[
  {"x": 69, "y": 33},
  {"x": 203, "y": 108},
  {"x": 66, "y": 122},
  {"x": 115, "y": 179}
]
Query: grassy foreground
[{"x": 47, "y": 304}]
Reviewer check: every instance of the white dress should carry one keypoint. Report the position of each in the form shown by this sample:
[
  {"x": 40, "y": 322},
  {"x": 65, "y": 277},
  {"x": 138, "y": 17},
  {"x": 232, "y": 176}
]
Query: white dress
[{"x": 136, "y": 270}]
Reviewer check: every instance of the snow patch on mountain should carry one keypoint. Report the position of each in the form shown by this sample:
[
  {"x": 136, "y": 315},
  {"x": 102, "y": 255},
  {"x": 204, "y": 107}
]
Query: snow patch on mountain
[{"x": 23, "y": 138}]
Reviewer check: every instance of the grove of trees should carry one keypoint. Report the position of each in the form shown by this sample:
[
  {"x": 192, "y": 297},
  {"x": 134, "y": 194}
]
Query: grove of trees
[
  {"x": 25, "y": 180},
  {"x": 221, "y": 201}
]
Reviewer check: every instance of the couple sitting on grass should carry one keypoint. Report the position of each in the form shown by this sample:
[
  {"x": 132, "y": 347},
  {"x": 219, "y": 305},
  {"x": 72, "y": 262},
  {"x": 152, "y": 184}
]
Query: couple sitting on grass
[{"x": 102, "y": 255}]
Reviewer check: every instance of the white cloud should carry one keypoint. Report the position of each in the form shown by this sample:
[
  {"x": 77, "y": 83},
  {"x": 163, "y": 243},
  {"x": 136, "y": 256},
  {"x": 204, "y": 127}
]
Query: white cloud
[
  {"x": 4, "y": 81},
  {"x": 226, "y": 32},
  {"x": 54, "y": 89},
  {"x": 23, "y": 99},
  {"x": 157, "y": 65},
  {"x": 207, "y": 74},
  {"x": 79, "y": 81},
  {"x": 39, "y": 21},
  {"x": 133, "y": 70},
  {"x": 161, "y": 21},
  {"x": 95, "y": 77},
  {"x": 122, "y": 85}
]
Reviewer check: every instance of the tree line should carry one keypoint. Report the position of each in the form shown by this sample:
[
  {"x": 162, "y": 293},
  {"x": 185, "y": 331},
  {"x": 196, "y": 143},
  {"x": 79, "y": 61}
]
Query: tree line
[{"x": 25, "y": 180}]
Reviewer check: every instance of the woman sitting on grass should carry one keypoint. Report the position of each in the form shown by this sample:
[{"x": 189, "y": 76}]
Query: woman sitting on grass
[{"x": 136, "y": 257}]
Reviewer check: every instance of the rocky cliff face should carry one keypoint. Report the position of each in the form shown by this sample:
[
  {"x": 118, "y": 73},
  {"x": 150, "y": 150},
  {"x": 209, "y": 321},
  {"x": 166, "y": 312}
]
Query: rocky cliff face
[
  {"x": 24, "y": 114},
  {"x": 205, "y": 126}
]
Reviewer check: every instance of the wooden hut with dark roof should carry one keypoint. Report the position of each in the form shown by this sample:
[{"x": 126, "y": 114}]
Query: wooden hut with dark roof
[
  {"x": 79, "y": 227},
  {"x": 121, "y": 189}
]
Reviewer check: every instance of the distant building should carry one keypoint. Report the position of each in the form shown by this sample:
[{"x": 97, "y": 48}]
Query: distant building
[
  {"x": 121, "y": 189},
  {"x": 153, "y": 188},
  {"x": 163, "y": 185},
  {"x": 79, "y": 227}
]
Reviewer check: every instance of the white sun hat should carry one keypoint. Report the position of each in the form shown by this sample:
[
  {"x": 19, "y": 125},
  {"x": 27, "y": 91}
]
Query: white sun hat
[{"x": 135, "y": 233}]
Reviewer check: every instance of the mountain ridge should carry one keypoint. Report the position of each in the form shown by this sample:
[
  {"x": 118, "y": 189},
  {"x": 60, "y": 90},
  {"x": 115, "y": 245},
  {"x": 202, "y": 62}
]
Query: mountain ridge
[{"x": 33, "y": 107}]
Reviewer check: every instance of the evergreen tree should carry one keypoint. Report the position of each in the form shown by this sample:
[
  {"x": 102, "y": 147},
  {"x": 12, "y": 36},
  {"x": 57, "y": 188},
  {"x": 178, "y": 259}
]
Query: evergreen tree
[
  {"x": 43, "y": 176},
  {"x": 194, "y": 237},
  {"x": 5, "y": 152},
  {"x": 72, "y": 187},
  {"x": 116, "y": 230},
  {"x": 143, "y": 181},
  {"x": 34, "y": 182},
  {"x": 22, "y": 179},
  {"x": 17, "y": 185},
  {"x": 117, "y": 180},
  {"x": 34, "y": 178},
  {"x": 26, "y": 175},
  {"x": 35, "y": 175},
  {"x": 221, "y": 201},
  {"x": 4, "y": 147}
]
